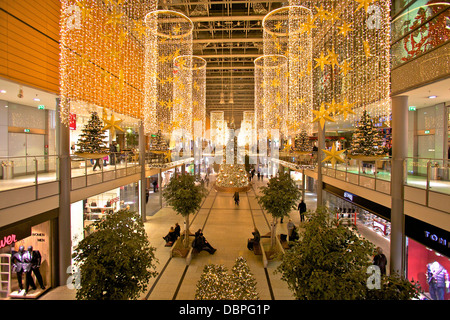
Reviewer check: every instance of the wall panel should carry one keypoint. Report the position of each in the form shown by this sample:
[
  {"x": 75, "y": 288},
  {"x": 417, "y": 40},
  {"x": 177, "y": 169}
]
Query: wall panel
[{"x": 29, "y": 42}]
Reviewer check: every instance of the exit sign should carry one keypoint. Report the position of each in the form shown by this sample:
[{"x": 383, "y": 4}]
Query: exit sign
[
  {"x": 41, "y": 107},
  {"x": 26, "y": 130},
  {"x": 412, "y": 108}
]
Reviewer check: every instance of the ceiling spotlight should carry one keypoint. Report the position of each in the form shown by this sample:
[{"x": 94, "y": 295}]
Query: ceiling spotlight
[
  {"x": 20, "y": 94},
  {"x": 432, "y": 97}
]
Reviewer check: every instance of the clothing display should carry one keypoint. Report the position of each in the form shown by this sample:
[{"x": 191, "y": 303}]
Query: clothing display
[
  {"x": 438, "y": 281},
  {"x": 32, "y": 261}
]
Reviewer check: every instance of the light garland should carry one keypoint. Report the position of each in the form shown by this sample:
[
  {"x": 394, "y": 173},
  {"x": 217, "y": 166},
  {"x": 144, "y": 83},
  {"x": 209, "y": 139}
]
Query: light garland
[
  {"x": 169, "y": 37},
  {"x": 102, "y": 56},
  {"x": 351, "y": 66},
  {"x": 284, "y": 34},
  {"x": 270, "y": 74}
]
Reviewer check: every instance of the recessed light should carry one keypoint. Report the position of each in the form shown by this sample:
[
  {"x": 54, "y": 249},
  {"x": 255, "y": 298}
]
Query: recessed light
[
  {"x": 2, "y": 91},
  {"x": 432, "y": 97}
]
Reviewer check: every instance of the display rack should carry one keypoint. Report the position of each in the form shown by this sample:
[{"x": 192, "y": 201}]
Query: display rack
[{"x": 5, "y": 274}]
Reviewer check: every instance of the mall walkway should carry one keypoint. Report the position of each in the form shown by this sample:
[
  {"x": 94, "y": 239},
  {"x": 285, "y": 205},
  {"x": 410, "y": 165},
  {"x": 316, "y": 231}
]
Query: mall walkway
[{"x": 227, "y": 227}]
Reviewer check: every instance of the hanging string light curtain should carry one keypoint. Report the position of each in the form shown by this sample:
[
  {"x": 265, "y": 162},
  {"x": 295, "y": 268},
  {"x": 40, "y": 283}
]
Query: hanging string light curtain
[
  {"x": 102, "y": 56},
  {"x": 351, "y": 64},
  {"x": 270, "y": 74},
  {"x": 169, "y": 37},
  {"x": 285, "y": 34},
  {"x": 199, "y": 91}
]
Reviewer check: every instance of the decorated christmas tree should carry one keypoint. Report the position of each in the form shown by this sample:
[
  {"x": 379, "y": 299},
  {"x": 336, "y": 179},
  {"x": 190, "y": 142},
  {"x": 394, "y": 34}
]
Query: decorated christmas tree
[
  {"x": 366, "y": 140},
  {"x": 91, "y": 140},
  {"x": 244, "y": 284},
  {"x": 302, "y": 143},
  {"x": 217, "y": 284},
  {"x": 232, "y": 175},
  {"x": 214, "y": 283},
  {"x": 157, "y": 142}
]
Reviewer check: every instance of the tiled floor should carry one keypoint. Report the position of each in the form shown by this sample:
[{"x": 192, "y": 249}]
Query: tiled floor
[{"x": 227, "y": 227}]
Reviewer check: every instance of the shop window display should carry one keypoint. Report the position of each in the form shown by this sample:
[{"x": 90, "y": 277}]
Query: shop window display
[
  {"x": 430, "y": 269},
  {"x": 29, "y": 273}
]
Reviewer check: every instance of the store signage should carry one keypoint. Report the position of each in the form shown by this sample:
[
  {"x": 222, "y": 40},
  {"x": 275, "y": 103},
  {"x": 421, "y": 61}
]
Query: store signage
[
  {"x": 437, "y": 239},
  {"x": 73, "y": 121},
  {"x": 348, "y": 196},
  {"x": 8, "y": 240},
  {"x": 429, "y": 235}
]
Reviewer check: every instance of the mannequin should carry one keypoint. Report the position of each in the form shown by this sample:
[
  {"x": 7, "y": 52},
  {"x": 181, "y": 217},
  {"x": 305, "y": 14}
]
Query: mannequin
[
  {"x": 437, "y": 278},
  {"x": 17, "y": 265},
  {"x": 34, "y": 259}
]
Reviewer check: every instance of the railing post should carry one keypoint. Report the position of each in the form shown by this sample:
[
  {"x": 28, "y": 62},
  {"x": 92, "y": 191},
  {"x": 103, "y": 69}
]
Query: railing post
[{"x": 428, "y": 181}]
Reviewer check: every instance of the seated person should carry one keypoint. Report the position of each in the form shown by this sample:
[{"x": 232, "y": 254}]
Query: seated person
[
  {"x": 171, "y": 236},
  {"x": 255, "y": 240},
  {"x": 177, "y": 230},
  {"x": 200, "y": 243},
  {"x": 294, "y": 235}
]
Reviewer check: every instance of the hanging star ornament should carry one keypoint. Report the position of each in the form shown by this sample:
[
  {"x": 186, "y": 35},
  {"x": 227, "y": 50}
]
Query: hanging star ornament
[
  {"x": 321, "y": 61},
  {"x": 112, "y": 125},
  {"x": 363, "y": 4},
  {"x": 333, "y": 155},
  {"x": 322, "y": 115}
]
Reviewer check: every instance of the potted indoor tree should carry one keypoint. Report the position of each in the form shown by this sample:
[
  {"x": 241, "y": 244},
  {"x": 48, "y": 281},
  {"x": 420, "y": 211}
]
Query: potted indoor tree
[
  {"x": 185, "y": 196},
  {"x": 116, "y": 261},
  {"x": 278, "y": 198}
]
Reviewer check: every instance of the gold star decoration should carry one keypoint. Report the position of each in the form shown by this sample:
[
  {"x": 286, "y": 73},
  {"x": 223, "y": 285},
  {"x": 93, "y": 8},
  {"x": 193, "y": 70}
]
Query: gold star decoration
[
  {"x": 345, "y": 108},
  {"x": 333, "y": 155},
  {"x": 333, "y": 107},
  {"x": 322, "y": 115},
  {"x": 112, "y": 124},
  {"x": 321, "y": 61},
  {"x": 85, "y": 9},
  {"x": 140, "y": 28},
  {"x": 114, "y": 18},
  {"x": 345, "y": 67},
  {"x": 332, "y": 57},
  {"x": 308, "y": 26},
  {"x": 345, "y": 28},
  {"x": 363, "y": 3},
  {"x": 278, "y": 26},
  {"x": 322, "y": 14}
]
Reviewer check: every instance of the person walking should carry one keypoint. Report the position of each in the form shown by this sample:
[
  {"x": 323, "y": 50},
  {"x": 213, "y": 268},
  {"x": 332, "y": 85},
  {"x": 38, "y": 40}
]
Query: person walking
[
  {"x": 380, "y": 260},
  {"x": 290, "y": 227},
  {"x": 236, "y": 198},
  {"x": 302, "y": 210}
]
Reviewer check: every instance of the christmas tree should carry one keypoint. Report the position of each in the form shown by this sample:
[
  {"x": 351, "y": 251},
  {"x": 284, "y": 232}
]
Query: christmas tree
[
  {"x": 157, "y": 142},
  {"x": 366, "y": 140},
  {"x": 217, "y": 284},
  {"x": 244, "y": 284},
  {"x": 91, "y": 140},
  {"x": 214, "y": 283},
  {"x": 302, "y": 143}
]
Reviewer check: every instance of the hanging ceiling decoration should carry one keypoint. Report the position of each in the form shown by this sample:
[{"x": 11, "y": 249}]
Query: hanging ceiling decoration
[
  {"x": 271, "y": 88},
  {"x": 285, "y": 34},
  {"x": 169, "y": 37},
  {"x": 102, "y": 56},
  {"x": 351, "y": 66}
]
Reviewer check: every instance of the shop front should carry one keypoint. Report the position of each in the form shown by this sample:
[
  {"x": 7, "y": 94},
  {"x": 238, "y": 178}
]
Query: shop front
[
  {"x": 85, "y": 212},
  {"x": 26, "y": 257},
  {"x": 428, "y": 258}
]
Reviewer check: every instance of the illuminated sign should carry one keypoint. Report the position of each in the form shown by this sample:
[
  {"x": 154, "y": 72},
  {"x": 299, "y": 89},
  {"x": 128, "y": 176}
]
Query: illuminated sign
[
  {"x": 348, "y": 195},
  {"x": 8, "y": 240}
]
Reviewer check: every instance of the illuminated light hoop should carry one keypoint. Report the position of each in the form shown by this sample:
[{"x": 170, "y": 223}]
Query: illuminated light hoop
[
  {"x": 274, "y": 90},
  {"x": 297, "y": 47},
  {"x": 169, "y": 36}
]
